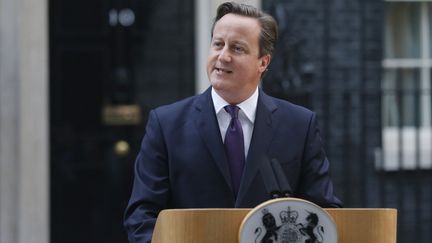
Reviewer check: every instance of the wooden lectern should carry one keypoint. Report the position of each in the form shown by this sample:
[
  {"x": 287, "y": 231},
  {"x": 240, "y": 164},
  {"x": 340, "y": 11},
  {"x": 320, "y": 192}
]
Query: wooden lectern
[{"x": 222, "y": 225}]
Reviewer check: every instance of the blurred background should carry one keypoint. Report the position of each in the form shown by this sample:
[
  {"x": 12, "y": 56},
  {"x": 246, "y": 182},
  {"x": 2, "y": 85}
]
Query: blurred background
[{"x": 78, "y": 78}]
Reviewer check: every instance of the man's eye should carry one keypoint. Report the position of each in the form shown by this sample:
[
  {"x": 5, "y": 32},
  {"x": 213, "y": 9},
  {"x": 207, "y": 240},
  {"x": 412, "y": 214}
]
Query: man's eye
[
  {"x": 238, "y": 49},
  {"x": 217, "y": 44}
]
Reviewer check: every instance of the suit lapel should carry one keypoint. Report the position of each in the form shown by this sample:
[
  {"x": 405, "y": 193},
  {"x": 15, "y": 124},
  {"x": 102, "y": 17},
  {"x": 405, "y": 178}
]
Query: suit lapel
[
  {"x": 209, "y": 130},
  {"x": 264, "y": 128}
]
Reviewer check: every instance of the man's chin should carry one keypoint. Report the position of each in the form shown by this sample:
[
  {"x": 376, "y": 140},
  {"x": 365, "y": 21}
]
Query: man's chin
[{"x": 219, "y": 84}]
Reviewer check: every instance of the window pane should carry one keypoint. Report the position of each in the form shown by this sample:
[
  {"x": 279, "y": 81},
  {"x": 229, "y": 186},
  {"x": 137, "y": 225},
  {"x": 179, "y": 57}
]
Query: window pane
[
  {"x": 428, "y": 93},
  {"x": 430, "y": 28},
  {"x": 401, "y": 97},
  {"x": 402, "y": 30}
]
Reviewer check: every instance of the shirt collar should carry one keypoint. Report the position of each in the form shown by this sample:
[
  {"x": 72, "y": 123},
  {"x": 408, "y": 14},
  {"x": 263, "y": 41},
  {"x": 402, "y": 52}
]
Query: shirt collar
[{"x": 248, "y": 106}]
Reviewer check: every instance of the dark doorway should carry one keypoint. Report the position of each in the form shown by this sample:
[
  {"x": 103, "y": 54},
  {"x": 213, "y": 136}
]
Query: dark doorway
[{"x": 111, "y": 61}]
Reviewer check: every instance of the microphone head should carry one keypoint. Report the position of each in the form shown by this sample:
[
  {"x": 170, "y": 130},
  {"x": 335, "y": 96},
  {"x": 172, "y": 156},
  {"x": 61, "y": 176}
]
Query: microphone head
[
  {"x": 285, "y": 194},
  {"x": 275, "y": 194}
]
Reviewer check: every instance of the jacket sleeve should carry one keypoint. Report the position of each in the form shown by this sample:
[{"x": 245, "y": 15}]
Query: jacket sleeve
[
  {"x": 150, "y": 192},
  {"x": 316, "y": 185}
]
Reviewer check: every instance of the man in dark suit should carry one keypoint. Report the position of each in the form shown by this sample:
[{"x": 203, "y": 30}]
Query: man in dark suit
[{"x": 214, "y": 150}]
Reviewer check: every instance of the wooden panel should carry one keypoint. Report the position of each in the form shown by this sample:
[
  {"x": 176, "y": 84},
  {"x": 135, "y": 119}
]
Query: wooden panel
[
  {"x": 221, "y": 225},
  {"x": 365, "y": 225}
]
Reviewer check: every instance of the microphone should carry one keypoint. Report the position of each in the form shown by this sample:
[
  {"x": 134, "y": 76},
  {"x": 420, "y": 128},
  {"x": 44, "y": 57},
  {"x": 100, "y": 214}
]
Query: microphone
[
  {"x": 284, "y": 185},
  {"x": 269, "y": 178}
]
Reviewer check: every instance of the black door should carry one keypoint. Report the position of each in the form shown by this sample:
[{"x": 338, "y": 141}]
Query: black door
[{"x": 110, "y": 62}]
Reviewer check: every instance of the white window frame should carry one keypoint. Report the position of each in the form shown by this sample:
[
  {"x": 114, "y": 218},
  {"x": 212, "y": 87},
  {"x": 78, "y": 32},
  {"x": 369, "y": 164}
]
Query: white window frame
[{"x": 410, "y": 147}]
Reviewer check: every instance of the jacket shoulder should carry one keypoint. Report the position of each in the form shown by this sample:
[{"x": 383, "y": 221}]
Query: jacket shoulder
[
  {"x": 289, "y": 109},
  {"x": 176, "y": 107}
]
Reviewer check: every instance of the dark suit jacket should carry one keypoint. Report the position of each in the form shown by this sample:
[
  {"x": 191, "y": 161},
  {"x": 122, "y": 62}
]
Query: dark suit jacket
[{"x": 182, "y": 162}]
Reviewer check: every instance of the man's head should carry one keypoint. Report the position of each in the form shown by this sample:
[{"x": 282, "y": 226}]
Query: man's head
[
  {"x": 269, "y": 30},
  {"x": 243, "y": 40}
]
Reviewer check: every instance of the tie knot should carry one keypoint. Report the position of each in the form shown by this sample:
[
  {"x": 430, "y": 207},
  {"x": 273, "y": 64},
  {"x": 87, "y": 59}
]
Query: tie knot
[{"x": 232, "y": 110}]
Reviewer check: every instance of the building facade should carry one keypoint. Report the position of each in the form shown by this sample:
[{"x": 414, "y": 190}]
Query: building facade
[{"x": 70, "y": 127}]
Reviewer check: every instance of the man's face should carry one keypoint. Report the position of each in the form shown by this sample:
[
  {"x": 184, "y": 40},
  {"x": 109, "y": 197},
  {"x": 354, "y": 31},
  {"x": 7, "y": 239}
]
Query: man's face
[{"x": 234, "y": 67}]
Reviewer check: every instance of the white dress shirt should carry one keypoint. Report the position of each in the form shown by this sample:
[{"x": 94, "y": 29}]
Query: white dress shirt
[{"x": 246, "y": 116}]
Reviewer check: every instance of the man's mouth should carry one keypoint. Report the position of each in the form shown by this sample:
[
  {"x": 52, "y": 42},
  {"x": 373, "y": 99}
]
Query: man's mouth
[{"x": 222, "y": 70}]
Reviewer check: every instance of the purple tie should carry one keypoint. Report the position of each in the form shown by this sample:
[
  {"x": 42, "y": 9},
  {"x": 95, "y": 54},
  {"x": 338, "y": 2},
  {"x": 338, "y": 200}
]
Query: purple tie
[{"x": 234, "y": 147}]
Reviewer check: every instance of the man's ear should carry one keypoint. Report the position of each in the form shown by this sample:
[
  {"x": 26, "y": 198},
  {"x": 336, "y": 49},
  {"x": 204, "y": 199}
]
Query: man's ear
[{"x": 265, "y": 61}]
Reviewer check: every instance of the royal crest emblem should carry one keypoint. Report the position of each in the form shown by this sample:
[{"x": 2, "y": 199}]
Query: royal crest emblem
[{"x": 288, "y": 220}]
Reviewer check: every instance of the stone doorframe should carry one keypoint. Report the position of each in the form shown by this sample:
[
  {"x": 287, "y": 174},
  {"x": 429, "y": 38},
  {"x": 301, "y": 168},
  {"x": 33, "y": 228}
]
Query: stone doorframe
[{"x": 24, "y": 117}]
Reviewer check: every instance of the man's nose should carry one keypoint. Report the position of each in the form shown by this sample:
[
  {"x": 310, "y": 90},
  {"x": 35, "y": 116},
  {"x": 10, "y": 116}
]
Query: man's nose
[{"x": 224, "y": 55}]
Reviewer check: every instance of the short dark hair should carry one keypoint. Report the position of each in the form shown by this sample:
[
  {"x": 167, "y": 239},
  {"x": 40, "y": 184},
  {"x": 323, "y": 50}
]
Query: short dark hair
[{"x": 269, "y": 30}]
